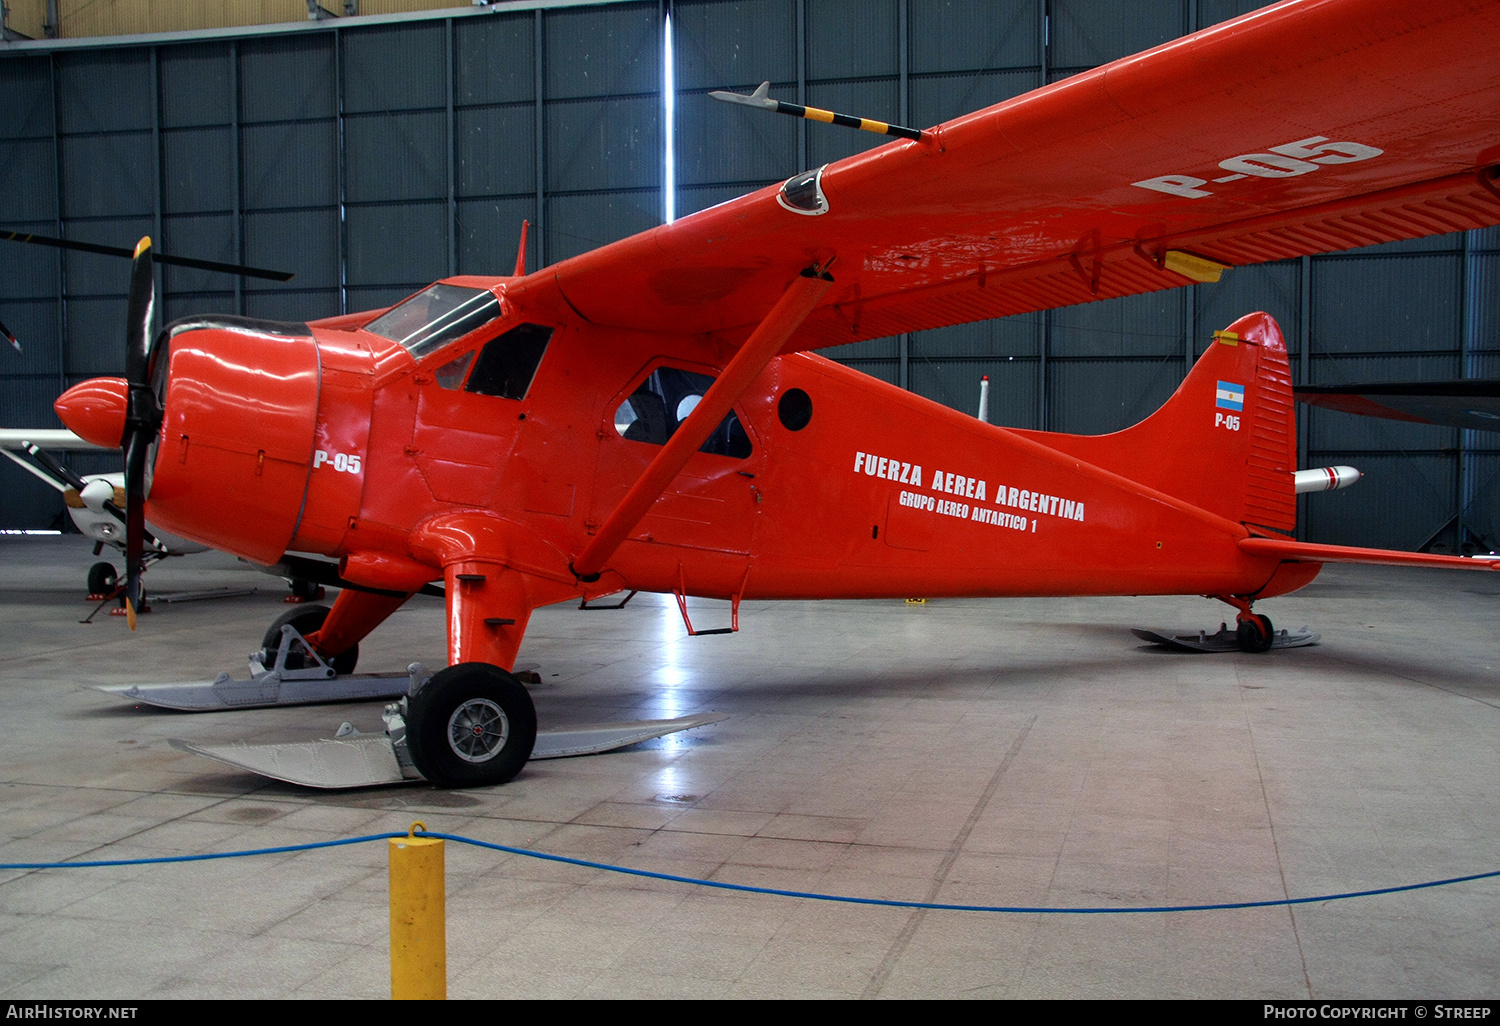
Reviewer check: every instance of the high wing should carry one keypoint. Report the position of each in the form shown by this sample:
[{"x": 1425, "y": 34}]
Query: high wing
[
  {"x": 1472, "y": 403},
  {"x": 1307, "y": 127}
]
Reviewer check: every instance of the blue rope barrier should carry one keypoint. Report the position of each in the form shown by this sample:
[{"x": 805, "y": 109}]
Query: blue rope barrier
[{"x": 750, "y": 889}]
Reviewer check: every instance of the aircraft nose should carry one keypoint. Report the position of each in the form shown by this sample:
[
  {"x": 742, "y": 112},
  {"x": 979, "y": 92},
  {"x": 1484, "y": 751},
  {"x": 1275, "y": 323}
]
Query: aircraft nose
[{"x": 94, "y": 410}]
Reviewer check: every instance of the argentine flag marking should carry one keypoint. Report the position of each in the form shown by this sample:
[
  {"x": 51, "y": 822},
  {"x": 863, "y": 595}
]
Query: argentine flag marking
[{"x": 1230, "y": 396}]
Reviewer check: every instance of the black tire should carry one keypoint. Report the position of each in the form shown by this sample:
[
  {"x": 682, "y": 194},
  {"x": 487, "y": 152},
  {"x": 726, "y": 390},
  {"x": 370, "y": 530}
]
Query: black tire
[
  {"x": 471, "y": 725},
  {"x": 1255, "y": 633},
  {"x": 103, "y": 578},
  {"x": 304, "y": 620}
]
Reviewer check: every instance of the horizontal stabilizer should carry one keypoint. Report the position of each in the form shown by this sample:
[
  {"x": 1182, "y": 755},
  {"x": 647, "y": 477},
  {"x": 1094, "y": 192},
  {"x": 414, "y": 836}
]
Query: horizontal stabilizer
[{"x": 1286, "y": 548}]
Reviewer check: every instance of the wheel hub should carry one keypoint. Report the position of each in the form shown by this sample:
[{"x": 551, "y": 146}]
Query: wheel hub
[{"x": 477, "y": 730}]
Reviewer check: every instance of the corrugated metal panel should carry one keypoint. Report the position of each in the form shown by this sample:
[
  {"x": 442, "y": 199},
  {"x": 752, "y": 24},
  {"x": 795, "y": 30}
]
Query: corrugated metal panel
[
  {"x": 198, "y": 170},
  {"x": 396, "y": 157},
  {"x": 852, "y": 39},
  {"x": 603, "y": 144},
  {"x": 28, "y": 182},
  {"x": 719, "y": 145},
  {"x": 1484, "y": 300},
  {"x": 690, "y": 201},
  {"x": 726, "y": 45},
  {"x": 378, "y": 298},
  {"x": 1014, "y": 391},
  {"x": 283, "y": 79},
  {"x": 1398, "y": 503},
  {"x": 34, "y": 322},
  {"x": 204, "y": 237},
  {"x": 1004, "y": 338},
  {"x": 489, "y": 231},
  {"x": 495, "y": 150},
  {"x": 195, "y": 304},
  {"x": 967, "y": 35},
  {"x": 290, "y": 165},
  {"x": 306, "y": 305},
  {"x": 493, "y": 60},
  {"x": 195, "y": 85},
  {"x": 96, "y": 336},
  {"x": 1094, "y": 397},
  {"x": 882, "y": 370},
  {"x": 396, "y": 244},
  {"x": 1275, "y": 288},
  {"x": 875, "y": 99},
  {"x": 107, "y": 175},
  {"x": 1128, "y": 326},
  {"x": 1391, "y": 303},
  {"x": 577, "y": 224},
  {"x": 602, "y": 51},
  {"x": 302, "y": 241},
  {"x": 104, "y": 91},
  {"x": 395, "y": 67},
  {"x": 1086, "y": 33},
  {"x": 1486, "y": 238},
  {"x": 939, "y": 98},
  {"x": 873, "y": 348},
  {"x": 27, "y": 272},
  {"x": 27, "y": 110},
  {"x": 1211, "y": 12}
]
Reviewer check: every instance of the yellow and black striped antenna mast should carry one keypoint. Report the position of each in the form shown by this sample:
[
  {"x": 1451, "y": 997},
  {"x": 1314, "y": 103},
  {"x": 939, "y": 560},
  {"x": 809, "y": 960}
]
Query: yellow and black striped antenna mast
[{"x": 761, "y": 100}]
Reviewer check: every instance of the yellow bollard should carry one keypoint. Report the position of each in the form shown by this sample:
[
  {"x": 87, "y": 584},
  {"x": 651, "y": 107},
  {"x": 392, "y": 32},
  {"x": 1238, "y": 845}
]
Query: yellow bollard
[{"x": 419, "y": 920}]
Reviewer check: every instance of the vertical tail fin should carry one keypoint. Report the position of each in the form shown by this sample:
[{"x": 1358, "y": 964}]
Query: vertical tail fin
[{"x": 1226, "y": 441}]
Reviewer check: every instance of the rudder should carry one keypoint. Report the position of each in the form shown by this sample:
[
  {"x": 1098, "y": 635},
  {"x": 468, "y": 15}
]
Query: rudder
[{"x": 1226, "y": 439}]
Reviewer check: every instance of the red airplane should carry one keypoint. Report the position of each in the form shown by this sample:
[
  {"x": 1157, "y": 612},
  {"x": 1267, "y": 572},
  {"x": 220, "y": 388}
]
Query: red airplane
[{"x": 646, "y": 416}]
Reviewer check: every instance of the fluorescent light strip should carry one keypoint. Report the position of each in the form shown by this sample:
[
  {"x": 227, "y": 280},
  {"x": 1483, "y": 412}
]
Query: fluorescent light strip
[{"x": 669, "y": 102}]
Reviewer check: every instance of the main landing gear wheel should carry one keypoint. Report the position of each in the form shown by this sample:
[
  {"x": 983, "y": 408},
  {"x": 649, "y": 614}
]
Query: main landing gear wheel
[
  {"x": 103, "y": 578},
  {"x": 471, "y": 725},
  {"x": 304, "y": 620},
  {"x": 1255, "y": 633}
]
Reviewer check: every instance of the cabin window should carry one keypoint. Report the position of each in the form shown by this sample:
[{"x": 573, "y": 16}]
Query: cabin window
[
  {"x": 663, "y": 401},
  {"x": 435, "y": 316},
  {"x": 507, "y": 364},
  {"x": 451, "y": 374}
]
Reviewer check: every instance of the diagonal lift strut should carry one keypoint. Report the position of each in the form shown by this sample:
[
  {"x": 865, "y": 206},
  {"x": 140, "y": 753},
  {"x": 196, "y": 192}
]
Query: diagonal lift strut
[{"x": 759, "y": 349}]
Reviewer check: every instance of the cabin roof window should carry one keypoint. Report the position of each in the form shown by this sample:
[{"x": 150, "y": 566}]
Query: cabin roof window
[{"x": 435, "y": 316}]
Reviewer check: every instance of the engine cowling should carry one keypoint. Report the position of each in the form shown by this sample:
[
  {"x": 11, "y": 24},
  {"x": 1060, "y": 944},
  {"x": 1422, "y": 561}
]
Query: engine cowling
[{"x": 232, "y": 459}]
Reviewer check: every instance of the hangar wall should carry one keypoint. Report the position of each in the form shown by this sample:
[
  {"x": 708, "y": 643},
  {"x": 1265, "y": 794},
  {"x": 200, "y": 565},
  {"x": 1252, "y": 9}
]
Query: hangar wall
[{"x": 372, "y": 155}]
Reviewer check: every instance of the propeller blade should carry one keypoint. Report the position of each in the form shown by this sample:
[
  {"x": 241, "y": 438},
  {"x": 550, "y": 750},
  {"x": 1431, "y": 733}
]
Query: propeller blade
[
  {"x": 140, "y": 316},
  {"x": 160, "y": 258},
  {"x": 135, "y": 522},
  {"x": 141, "y": 419}
]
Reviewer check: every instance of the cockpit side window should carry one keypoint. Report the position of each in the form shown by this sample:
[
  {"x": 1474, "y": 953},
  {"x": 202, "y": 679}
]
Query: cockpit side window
[
  {"x": 507, "y": 364},
  {"x": 435, "y": 316},
  {"x": 451, "y": 374},
  {"x": 663, "y": 401}
]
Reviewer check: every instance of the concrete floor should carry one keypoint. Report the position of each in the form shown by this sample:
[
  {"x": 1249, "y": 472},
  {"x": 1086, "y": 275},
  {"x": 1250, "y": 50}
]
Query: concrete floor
[{"x": 1021, "y": 752}]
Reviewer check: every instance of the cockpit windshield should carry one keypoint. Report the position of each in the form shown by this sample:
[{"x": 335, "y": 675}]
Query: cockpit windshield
[{"x": 435, "y": 316}]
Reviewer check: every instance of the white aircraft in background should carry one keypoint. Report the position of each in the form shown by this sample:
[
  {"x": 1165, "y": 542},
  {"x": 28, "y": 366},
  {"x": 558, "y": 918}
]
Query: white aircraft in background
[{"x": 96, "y": 502}]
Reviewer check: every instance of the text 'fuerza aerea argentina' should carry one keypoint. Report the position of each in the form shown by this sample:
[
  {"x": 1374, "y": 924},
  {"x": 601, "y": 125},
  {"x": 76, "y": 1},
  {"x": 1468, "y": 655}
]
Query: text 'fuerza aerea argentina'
[{"x": 965, "y": 487}]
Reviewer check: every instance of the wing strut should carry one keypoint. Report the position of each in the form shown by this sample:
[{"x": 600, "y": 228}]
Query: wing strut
[{"x": 759, "y": 349}]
